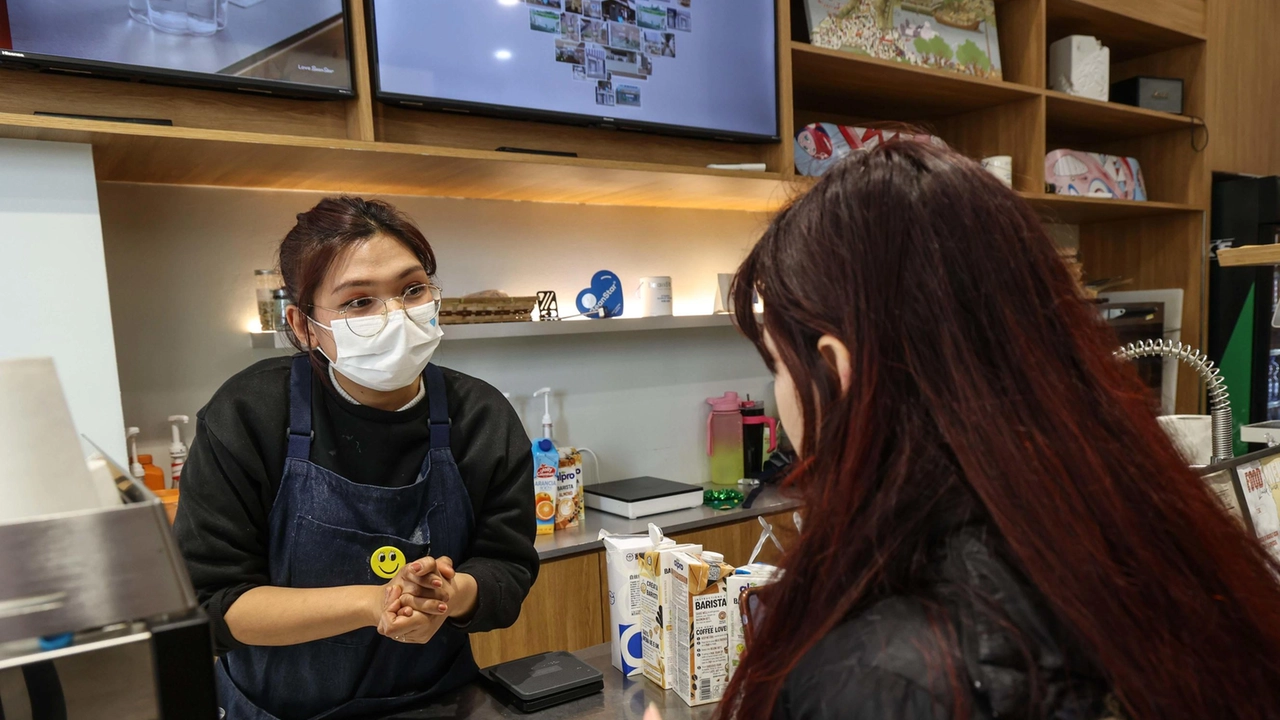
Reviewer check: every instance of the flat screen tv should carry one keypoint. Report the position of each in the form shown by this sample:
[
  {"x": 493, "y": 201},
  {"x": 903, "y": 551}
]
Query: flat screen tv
[
  {"x": 704, "y": 68},
  {"x": 296, "y": 48}
]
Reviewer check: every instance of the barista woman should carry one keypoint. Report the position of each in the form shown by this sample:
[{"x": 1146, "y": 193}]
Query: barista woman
[{"x": 349, "y": 514}]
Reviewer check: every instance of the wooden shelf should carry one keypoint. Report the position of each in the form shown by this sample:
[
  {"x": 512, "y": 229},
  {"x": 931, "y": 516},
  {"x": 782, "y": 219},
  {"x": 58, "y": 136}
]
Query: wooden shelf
[
  {"x": 1131, "y": 28},
  {"x": 269, "y": 340},
  {"x": 497, "y": 331},
  {"x": 490, "y": 331},
  {"x": 858, "y": 85},
  {"x": 1071, "y": 118},
  {"x": 125, "y": 152},
  {"x": 1249, "y": 256},
  {"x": 1077, "y": 210}
]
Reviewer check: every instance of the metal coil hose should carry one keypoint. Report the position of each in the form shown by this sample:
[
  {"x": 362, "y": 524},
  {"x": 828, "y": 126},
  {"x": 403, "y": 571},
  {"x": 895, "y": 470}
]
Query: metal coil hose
[{"x": 1219, "y": 398}]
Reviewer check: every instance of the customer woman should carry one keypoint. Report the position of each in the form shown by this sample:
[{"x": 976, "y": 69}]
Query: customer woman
[
  {"x": 994, "y": 525},
  {"x": 348, "y": 515}
]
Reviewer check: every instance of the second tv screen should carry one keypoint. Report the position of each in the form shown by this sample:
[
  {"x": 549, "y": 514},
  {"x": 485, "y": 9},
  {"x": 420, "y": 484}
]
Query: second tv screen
[{"x": 696, "y": 66}]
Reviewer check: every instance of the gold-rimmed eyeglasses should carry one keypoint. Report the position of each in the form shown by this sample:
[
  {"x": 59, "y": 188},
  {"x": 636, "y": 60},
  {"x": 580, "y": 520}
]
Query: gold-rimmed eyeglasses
[{"x": 367, "y": 316}]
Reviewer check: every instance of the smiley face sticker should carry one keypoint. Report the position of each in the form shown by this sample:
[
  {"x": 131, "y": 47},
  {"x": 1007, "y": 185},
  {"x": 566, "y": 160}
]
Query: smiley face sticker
[{"x": 386, "y": 561}]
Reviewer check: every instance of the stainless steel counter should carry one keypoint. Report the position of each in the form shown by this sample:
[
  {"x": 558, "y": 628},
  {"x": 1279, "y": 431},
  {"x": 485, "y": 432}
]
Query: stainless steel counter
[
  {"x": 584, "y": 537},
  {"x": 622, "y": 699}
]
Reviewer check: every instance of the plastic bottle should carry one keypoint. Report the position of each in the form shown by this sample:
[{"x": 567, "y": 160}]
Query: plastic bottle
[
  {"x": 135, "y": 467},
  {"x": 177, "y": 450},
  {"x": 152, "y": 475},
  {"x": 724, "y": 439},
  {"x": 267, "y": 281},
  {"x": 140, "y": 465}
]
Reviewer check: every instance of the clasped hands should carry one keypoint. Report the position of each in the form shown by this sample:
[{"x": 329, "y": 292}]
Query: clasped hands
[{"x": 417, "y": 601}]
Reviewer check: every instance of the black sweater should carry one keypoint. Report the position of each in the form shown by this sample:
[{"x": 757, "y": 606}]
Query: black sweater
[
  {"x": 237, "y": 459},
  {"x": 1009, "y": 650}
]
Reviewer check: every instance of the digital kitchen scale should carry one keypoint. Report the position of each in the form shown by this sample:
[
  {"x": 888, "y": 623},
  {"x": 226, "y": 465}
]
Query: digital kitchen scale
[{"x": 542, "y": 681}]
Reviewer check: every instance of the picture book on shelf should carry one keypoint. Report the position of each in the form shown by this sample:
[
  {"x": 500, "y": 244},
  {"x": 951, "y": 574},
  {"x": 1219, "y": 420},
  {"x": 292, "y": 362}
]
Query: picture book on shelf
[{"x": 956, "y": 35}]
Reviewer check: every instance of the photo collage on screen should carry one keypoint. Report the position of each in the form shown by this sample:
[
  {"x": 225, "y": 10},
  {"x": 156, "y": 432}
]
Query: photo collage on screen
[{"x": 612, "y": 43}]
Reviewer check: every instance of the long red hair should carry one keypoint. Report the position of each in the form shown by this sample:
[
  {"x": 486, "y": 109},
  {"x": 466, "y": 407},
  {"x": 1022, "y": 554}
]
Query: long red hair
[{"x": 981, "y": 377}]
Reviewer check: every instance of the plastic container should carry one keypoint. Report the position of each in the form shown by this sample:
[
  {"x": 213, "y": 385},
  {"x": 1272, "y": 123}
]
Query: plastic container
[
  {"x": 267, "y": 281},
  {"x": 724, "y": 439},
  {"x": 280, "y": 303},
  {"x": 152, "y": 475}
]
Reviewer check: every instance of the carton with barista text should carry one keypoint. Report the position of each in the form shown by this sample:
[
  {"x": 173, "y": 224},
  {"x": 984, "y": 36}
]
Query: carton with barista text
[
  {"x": 700, "y": 596},
  {"x": 746, "y": 577},
  {"x": 658, "y": 624},
  {"x": 570, "y": 500}
]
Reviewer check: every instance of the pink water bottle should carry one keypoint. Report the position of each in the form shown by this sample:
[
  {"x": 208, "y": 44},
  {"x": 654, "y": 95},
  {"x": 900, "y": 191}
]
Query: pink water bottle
[{"x": 724, "y": 439}]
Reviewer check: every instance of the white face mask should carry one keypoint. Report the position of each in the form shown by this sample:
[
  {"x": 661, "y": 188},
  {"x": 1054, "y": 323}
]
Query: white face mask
[{"x": 393, "y": 358}]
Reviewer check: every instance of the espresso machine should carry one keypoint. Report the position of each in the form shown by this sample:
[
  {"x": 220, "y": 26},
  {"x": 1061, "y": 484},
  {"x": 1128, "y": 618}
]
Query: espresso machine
[{"x": 98, "y": 618}]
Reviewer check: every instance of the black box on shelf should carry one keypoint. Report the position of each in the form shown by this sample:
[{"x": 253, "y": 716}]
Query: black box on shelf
[{"x": 1152, "y": 93}]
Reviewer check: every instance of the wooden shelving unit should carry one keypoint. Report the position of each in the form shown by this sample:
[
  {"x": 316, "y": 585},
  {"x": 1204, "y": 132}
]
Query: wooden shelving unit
[
  {"x": 361, "y": 146},
  {"x": 1160, "y": 243}
]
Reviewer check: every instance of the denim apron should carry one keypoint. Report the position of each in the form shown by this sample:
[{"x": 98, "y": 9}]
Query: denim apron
[{"x": 326, "y": 531}]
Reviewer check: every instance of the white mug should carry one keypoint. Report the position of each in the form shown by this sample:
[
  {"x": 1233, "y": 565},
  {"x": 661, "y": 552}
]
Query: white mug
[
  {"x": 654, "y": 296},
  {"x": 724, "y": 301},
  {"x": 1001, "y": 166}
]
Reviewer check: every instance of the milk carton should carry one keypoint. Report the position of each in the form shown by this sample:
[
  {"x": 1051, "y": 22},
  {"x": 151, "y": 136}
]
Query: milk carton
[
  {"x": 570, "y": 500},
  {"x": 700, "y": 596},
  {"x": 658, "y": 620},
  {"x": 753, "y": 575},
  {"x": 623, "y": 569}
]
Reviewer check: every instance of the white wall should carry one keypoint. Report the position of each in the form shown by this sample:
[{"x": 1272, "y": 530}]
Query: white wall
[
  {"x": 180, "y": 262},
  {"x": 53, "y": 280}
]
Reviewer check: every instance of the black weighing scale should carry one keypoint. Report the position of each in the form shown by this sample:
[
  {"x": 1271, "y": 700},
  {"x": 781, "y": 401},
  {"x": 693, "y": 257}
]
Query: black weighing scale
[{"x": 542, "y": 681}]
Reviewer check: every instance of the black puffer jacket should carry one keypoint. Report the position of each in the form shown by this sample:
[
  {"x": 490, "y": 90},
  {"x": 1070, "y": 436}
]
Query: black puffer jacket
[{"x": 1012, "y": 656}]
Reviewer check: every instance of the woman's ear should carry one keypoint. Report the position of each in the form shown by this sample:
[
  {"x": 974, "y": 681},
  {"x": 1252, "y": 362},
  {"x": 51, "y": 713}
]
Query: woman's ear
[
  {"x": 838, "y": 357},
  {"x": 298, "y": 323}
]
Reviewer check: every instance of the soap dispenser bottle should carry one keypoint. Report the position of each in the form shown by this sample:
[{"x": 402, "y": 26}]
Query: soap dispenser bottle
[
  {"x": 140, "y": 466},
  {"x": 177, "y": 450},
  {"x": 546, "y": 465},
  {"x": 135, "y": 467}
]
